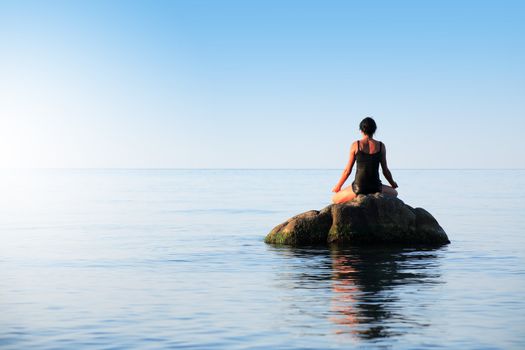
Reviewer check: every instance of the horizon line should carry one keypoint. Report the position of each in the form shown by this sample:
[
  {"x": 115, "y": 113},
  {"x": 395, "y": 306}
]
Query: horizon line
[{"x": 231, "y": 168}]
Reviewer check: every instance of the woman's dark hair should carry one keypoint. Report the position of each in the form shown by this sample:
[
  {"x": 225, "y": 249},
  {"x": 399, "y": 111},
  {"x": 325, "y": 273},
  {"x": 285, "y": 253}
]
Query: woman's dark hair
[{"x": 368, "y": 126}]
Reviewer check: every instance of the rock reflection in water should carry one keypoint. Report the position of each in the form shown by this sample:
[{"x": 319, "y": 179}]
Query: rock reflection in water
[{"x": 369, "y": 298}]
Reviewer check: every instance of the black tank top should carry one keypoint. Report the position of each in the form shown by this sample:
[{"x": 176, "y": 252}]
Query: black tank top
[{"x": 367, "y": 172}]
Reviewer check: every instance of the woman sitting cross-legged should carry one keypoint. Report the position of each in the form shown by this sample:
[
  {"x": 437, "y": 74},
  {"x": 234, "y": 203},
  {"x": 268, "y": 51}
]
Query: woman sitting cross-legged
[{"x": 368, "y": 153}]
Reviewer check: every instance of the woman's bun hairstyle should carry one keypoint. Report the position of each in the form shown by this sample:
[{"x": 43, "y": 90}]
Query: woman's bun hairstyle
[{"x": 368, "y": 126}]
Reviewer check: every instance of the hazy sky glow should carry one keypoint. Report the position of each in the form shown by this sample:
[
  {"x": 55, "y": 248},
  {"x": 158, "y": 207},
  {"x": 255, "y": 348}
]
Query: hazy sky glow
[{"x": 260, "y": 84}]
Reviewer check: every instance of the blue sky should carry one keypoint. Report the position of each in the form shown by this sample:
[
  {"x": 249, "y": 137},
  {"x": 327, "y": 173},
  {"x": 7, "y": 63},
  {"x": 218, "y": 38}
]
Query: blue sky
[{"x": 260, "y": 84}]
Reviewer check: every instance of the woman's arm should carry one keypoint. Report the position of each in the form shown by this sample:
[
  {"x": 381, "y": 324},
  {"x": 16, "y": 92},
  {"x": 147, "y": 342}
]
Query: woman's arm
[
  {"x": 348, "y": 169},
  {"x": 386, "y": 171}
]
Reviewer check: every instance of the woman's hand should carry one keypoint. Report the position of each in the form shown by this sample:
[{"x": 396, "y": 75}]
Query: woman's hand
[
  {"x": 394, "y": 184},
  {"x": 336, "y": 188}
]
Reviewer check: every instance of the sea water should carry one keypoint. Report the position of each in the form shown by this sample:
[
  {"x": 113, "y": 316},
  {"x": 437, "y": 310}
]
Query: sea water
[{"x": 155, "y": 259}]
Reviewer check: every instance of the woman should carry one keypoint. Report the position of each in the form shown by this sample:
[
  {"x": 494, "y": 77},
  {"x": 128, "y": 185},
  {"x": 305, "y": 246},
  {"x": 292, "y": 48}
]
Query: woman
[{"x": 368, "y": 153}]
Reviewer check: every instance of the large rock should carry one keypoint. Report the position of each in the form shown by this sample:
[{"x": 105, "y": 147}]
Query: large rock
[{"x": 366, "y": 220}]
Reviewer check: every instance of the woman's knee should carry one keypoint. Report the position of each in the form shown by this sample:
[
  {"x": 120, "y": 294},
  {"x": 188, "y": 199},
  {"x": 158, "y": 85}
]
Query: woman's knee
[
  {"x": 338, "y": 198},
  {"x": 343, "y": 196}
]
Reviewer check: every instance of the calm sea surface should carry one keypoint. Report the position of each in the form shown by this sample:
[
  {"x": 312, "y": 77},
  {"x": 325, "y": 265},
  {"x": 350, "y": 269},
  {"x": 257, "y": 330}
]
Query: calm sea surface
[{"x": 124, "y": 259}]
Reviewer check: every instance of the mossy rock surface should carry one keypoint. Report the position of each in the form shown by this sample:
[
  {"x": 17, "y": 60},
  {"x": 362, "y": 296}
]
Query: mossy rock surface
[{"x": 367, "y": 220}]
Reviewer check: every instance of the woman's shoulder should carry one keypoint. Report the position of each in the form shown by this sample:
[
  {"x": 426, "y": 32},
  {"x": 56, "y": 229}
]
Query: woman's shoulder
[
  {"x": 379, "y": 143},
  {"x": 382, "y": 147},
  {"x": 354, "y": 147}
]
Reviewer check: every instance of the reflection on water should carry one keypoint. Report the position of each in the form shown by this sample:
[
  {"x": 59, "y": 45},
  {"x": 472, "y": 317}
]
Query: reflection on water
[{"x": 369, "y": 298}]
